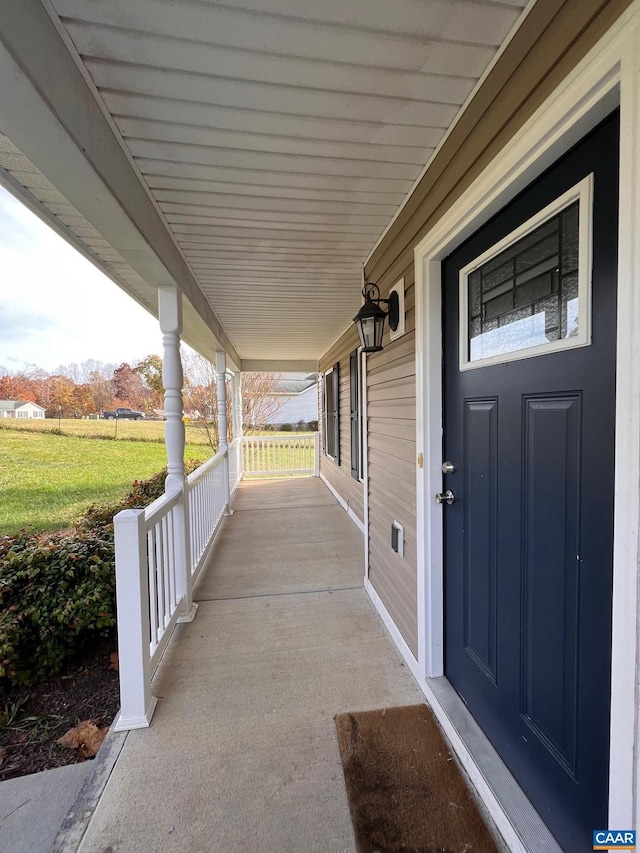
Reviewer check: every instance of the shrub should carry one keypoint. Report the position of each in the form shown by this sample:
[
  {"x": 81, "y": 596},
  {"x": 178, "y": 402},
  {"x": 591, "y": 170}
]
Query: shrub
[
  {"x": 57, "y": 591},
  {"x": 286, "y": 427},
  {"x": 313, "y": 426},
  {"x": 143, "y": 492}
]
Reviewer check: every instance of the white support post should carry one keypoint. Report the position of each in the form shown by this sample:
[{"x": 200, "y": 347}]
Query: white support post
[
  {"x": 221, "y": 370},
  {"x": 170, "y": 315},
  {"x": 137, "y": 703},
  {"x": 237, "y": 405},
  {"x": 316, "y": 454},
  {"x": 238, "y": 431}
]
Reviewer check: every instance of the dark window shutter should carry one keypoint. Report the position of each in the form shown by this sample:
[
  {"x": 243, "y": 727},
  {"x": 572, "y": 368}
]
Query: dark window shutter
[
  {"x": 336, "y": 411},
  {"x": 354, "y": 394}
]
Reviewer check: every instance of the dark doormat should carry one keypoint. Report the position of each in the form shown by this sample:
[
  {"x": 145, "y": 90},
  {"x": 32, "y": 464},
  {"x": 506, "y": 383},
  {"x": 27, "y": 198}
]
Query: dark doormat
[{"x": 406, "y": 793}]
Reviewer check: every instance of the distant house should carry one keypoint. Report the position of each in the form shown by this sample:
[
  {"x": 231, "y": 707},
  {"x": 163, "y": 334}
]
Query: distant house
[
  {"x": 20, "y": 409},
  {"x": 299, "y": 397}
]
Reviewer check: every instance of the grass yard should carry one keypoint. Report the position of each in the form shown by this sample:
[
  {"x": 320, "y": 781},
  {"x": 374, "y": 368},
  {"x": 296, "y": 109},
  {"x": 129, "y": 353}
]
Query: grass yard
[
  {"x": 49, "y": 480},
  {"x": 122, "y": 430}
]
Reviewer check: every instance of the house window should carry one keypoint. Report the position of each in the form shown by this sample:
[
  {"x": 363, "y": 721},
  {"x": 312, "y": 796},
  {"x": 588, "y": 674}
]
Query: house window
[
  {"x": 357, "y": 418},
  {"x": 331, "y": 413},
  {"x": 530, "y": 294}
]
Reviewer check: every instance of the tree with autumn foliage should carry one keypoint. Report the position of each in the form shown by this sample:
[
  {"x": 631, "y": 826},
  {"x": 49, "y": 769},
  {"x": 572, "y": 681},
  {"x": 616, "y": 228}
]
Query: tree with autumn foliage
[
  {"x": 56, "y": 395},
  {"x": 101, "y": 392},
  {"x": 127, "y": 386},
  {"x": 139, "y": 387},
  {"x": 16, "y": 387},
  {"x": 83, "y": 401},
  {"x": 150, "y": 369},
  {"x": 79, "y": 390}
]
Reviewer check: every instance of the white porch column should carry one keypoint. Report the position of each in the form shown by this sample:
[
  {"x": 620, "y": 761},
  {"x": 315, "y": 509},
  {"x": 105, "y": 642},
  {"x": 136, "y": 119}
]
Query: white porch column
[
  {"x": 237, "y": 404},
  {"x": 237, "y": 421},
  {"x": 221, "y": 369},
  {"x": 170, "y": 316}
]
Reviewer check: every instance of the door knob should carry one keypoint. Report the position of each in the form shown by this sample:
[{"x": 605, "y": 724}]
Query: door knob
[
  {"x": 445, "y": 497},
  {"x": 448, "y": 467}
]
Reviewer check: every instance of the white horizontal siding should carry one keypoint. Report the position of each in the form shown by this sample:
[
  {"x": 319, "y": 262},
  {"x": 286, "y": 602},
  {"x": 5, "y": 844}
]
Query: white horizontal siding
[{"x": 299, "y": 407}]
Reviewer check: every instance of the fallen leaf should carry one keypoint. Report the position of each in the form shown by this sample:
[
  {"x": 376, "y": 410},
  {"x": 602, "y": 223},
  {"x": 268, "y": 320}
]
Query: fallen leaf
[
  {"x": 86, "y": 737},
  {"x": 3, "y": 752},
  {"x": 115, "y": 661}
]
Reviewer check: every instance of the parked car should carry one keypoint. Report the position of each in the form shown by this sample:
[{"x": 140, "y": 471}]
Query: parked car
[{"x": 122, "y": 413}]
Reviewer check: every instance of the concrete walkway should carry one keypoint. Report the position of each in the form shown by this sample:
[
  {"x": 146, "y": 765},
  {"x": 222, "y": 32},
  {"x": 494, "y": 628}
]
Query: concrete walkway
[
  {"x": 242, "y": 753},
  {"x": 33, "y": 807}
]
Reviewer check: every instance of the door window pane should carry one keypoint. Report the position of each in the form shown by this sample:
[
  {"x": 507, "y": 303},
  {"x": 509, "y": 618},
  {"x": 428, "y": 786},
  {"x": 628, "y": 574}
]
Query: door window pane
[{"x": 527, "y": 295}]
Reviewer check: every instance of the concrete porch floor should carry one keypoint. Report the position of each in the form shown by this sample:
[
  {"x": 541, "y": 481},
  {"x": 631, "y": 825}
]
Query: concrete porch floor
[{"x": 242, "y": 753}]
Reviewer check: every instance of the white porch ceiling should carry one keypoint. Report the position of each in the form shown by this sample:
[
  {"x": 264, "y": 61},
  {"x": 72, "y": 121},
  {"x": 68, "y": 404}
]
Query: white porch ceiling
[{"x": 279, "y": 137}]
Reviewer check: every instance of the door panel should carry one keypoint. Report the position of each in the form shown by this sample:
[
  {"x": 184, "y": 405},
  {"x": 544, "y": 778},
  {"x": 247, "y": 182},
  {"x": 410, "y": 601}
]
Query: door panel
[
  {"x": 550, "y": 577},
  {"x": 529, "y": 538},
  {"x": 480, "y": 600}
]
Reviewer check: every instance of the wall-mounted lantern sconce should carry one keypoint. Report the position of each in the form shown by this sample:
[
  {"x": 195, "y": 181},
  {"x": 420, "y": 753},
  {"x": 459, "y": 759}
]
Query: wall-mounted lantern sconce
[{"x": 370, "y": 318}]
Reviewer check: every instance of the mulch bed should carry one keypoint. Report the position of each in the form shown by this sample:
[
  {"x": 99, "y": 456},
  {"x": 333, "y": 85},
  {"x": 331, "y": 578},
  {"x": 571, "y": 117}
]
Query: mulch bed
[
  {"x": 405, "y": 791},
  {"x": 87, "y": 689}
]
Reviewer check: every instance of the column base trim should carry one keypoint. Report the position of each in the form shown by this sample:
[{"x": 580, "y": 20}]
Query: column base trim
[
  {"x": 191, "y": 615},
  {"x": 124, "y": 724}
]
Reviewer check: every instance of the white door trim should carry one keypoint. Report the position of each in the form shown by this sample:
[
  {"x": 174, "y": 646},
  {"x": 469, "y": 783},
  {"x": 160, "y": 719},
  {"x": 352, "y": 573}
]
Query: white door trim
[{"x": 609, "y": 75}]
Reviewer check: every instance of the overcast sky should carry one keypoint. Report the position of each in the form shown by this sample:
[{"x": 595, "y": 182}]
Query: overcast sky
[{"x": 56, "y": 307}]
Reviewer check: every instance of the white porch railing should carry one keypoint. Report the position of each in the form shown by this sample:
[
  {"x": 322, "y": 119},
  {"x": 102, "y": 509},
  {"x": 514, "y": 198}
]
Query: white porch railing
[
  {"x": 160, "y": 527},
  {"x": 150, "y": 583},
  {"x": 280, "y": 456},
  {"x": 207, "y": 505},
  {"x": 161, "y": 550},
  {"x": 235, "y": 464}
]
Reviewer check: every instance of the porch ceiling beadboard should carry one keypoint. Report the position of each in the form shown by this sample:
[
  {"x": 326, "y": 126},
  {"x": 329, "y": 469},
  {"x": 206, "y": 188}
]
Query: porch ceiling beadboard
[{"x": 278, "y": 138}]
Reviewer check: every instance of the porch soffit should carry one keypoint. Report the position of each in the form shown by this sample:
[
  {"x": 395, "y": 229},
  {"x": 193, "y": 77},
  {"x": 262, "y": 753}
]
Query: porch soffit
[{"x": 278, "y": 138}]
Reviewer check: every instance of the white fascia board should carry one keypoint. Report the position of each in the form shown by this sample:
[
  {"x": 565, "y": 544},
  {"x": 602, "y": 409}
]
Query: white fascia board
[
  {"x": 259, "y": 365},
  {"x": 49, "y": 112}
]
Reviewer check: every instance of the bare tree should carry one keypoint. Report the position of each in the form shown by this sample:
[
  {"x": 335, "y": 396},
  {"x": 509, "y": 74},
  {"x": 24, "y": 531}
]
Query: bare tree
[
  {"x": 72, "y": 371},
  {"x": 201, "y": 395},
  {"x": 260, "y": 403}
]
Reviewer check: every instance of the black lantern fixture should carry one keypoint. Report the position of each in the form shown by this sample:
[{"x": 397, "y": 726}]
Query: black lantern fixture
[{"x": 370, "y": 318}]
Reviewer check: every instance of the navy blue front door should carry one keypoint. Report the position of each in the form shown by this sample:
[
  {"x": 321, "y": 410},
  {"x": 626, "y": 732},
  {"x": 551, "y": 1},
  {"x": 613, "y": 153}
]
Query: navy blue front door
[{"x": 528, "y": 539}]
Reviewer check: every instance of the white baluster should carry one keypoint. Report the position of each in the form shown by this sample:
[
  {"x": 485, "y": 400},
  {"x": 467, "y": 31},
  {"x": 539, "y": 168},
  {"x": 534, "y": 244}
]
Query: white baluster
[
  {"x": 171, "y": 549},
  {"x": 153, "y": 609}
]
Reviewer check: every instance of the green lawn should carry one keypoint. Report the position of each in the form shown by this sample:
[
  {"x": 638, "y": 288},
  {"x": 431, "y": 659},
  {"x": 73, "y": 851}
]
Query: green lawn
[
  {"x": 122, "y": 430},
  {"x": 48, "y": 480}
]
